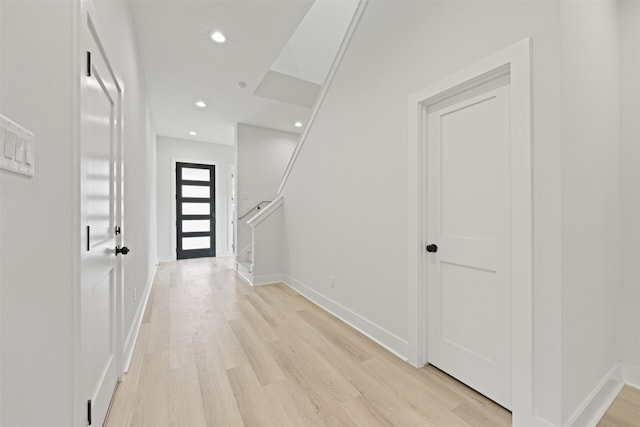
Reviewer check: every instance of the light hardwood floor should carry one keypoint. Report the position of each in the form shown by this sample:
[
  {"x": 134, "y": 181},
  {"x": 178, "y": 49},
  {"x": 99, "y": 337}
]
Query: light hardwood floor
[
  {"x": 213, "y": 351},
  {"x": 625, "y": 410}
]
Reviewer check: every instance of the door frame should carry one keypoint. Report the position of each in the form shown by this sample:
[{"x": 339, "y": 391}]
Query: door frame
[
  {"x": 232, "y": 207},
  {"x": 209, "y": 251},
  {"x": 84, "y": 13},
  {"x": 515, "y": 61},
  {"x": 174, "y": 238}
]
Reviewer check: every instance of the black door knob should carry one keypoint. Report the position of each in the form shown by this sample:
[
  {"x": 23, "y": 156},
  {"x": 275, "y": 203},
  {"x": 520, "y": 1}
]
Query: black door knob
[
  {"x": 432, "y": 248},
  {"x": 124, "y": 250}
]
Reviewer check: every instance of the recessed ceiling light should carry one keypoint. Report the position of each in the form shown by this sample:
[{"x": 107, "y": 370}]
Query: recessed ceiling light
[
  {"x": 218, "y": 37},
  {"x": 298, "y": 124},
  {"x": 201, "y": 104},
  {"x": 193, "y": 133},
  {"x": 242, "y": 85}
]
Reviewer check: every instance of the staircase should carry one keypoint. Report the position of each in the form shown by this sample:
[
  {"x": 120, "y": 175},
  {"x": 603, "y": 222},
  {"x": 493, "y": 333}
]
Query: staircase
[
  {"x": 260, "y": 262},
  {"x": 244, "y": 258},
  {"x": 244, "y": 263}
]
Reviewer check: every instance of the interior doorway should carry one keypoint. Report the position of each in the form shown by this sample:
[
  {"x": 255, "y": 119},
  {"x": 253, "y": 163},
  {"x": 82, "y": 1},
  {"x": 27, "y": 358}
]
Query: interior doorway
[
  {"x": 476, "y": 95},
  {"x": 467, "y": 184},
  {"x": 195, "y": 210}
]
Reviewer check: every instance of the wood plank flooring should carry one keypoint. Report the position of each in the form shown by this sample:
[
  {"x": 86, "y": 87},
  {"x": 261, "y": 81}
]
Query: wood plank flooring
[
  {"x": 625, "y": 410},
  {"x": 213, "y": 351}
]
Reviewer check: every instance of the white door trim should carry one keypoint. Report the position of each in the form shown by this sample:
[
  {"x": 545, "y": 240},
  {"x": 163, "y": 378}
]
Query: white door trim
[
  {"x": 174, "y": 160},
  {"x": 516, "y": 60}
]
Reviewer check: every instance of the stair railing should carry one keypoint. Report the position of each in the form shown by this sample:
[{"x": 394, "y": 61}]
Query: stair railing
[{"x": 255, "y": 208}]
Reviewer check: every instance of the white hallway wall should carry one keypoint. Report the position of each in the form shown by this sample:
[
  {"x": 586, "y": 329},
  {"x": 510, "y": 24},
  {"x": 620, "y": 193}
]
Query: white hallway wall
[
  {"x": 38, "y": 81},
  {"x": 177, "y": 149},
  {"x": 629, "y": 316},
  {"x": 346, "y": 200},
  {"x": 1, "y": 110},
  {"x": 350, "y": 222},
  {"x": 37, "y": 231},
  {"x": 590, "y": 197},
  {"x": 263, "y": 155}
]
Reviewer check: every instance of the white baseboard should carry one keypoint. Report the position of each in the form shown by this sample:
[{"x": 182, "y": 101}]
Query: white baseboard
[
  {"x": 171, "y": 258},
  {"x": 267, "y": 279},
  {"x": 596, "y": 404},
  {"x": 132, "y": 336},
  {"x": 631, "y": 375},
  {"x": 386, "y": 339}
]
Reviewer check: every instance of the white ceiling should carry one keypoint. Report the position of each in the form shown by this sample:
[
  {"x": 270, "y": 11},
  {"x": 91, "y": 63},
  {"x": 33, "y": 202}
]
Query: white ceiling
[
  {"x": 280, "y": 49},
  {"x": 310, "y": 51},
  {"x": 183, "y": 65},
  {"x": 284, "y": 87}
]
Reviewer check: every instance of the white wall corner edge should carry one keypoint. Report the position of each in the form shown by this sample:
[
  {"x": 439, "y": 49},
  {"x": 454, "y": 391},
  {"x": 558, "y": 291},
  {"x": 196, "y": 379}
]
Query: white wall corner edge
[
  {"x": 396, "y": 345},
  {"x": 593, "y": 408},
  {"x": 631, "y": 375},
  {"x": 132, "y": 336}
]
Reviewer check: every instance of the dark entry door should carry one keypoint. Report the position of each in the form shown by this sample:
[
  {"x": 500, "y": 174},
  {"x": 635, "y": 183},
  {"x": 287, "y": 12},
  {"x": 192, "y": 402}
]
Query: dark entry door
[{"x": 196, "y": 210}]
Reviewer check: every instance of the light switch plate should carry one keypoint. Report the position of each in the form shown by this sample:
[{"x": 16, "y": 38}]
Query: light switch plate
[
  {"x": 8, "y": 141},
  {"x": 19, "y": 151},
  {"x": 18, "y": 148},
  {"x": 28, "y": 154}
]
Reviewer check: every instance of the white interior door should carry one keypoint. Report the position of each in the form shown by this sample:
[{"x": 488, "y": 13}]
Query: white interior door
[
  {"x": 101, "y": 100},
  {"x": 469, "y": 289}
]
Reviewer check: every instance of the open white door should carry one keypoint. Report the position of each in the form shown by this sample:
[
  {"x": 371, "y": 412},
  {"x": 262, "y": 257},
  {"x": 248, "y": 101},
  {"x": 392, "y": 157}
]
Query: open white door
[
  {"x": 101, "y": 99},
  {"x": 468, "y": 230}
]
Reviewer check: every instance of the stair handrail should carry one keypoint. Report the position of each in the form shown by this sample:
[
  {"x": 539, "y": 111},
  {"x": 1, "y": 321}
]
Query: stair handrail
[
  {"x": 256, "y": 207},
  {"x": 272, "y": 207}
]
